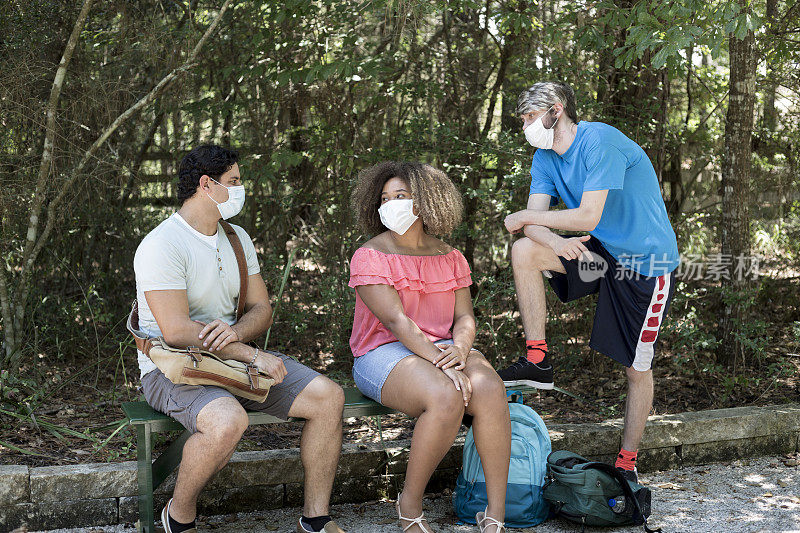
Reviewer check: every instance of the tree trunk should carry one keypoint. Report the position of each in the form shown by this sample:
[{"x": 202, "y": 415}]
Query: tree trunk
[
  {"x": 13, "y": 310},
  {"x": 736, "y": 175},
  {"x": 13, "y": 305},
  {"x": 769, "y": 120}
]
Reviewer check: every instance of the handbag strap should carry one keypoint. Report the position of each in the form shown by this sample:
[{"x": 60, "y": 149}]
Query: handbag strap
[
  {"x": 143, "y": 344},
  {"x": 236, "y": 244}
]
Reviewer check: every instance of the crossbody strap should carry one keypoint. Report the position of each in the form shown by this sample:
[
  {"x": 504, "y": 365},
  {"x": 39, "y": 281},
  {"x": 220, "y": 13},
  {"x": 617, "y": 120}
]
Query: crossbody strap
[
  {"x": 236, "y": 244},
  {"x": 143, "y": 344}
]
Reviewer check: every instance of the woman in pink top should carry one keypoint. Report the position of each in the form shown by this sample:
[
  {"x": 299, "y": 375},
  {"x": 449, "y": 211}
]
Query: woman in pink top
[{"x": 414, "y": 328}]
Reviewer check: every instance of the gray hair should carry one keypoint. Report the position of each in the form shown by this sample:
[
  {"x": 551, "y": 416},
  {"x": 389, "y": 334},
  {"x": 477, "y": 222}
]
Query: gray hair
[{"x": 543, "y": 95}]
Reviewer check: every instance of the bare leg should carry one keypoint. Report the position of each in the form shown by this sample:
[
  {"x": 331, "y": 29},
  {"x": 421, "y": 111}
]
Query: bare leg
[
  {"x": 491, "y": 427},
  {"x": 529, "y": 259},
  {"x": 321, "y": 404},
  {"x": 419, "y": 389},
  {"x": 220, "y": 425},
  {"x": 637, "y": 407}
]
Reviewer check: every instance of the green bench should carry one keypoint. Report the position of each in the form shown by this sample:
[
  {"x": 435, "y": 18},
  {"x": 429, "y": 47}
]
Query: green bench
[{"x": 151, "y": 474}]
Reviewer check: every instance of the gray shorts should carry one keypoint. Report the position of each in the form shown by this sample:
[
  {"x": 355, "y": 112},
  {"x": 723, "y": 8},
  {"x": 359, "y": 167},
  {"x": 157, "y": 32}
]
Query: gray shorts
[{"x": 184, "y": 402}]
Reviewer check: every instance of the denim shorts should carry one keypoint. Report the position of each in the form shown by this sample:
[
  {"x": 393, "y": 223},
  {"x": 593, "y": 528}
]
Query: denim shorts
[{"x": 371, "y": 369}]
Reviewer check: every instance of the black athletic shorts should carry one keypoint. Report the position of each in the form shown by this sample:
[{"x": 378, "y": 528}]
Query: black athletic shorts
[{"x": 630, "y": 307}]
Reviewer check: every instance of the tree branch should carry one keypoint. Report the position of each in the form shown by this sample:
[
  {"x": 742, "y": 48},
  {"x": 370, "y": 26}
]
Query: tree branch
[
  {"x": 498, "y": 83},
  {"x": 137, "y": 163},
  {"x": 162, "y": 86},
  {"x": 50, "y": 130}
]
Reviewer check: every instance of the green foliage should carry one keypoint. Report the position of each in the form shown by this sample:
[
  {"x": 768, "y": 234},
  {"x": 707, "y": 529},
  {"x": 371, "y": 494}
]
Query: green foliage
[
  {"x": 666, "y": 29},
  {"x": 312, "y": 91}
]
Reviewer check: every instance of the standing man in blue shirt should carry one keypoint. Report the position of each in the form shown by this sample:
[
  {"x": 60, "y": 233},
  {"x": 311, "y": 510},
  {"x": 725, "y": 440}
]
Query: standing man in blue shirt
[{"x": 629, "y": 258}]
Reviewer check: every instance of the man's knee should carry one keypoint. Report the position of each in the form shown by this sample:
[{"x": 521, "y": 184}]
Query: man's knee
[
  {"x": 526, "y": 253},
  {"x": 322, "y": 398},
  {"x": 231, "y": 430},
  {"x": 224, "y": 421},
  {"x": 636, "y": 377},
  {"x": 333, "y": 395}
]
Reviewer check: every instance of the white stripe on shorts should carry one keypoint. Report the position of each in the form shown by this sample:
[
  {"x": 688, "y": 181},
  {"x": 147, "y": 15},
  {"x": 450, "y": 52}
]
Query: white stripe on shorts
[{"x": 645, "y": 347}]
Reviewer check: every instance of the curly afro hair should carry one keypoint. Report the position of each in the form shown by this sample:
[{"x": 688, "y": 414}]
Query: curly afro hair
[
  {"x": 436, "y": 197},
  {"x": 210, "y": 160}
]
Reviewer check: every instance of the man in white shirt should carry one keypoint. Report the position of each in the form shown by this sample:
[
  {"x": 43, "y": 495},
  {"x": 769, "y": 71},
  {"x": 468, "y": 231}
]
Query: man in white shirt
[{"x": 187, "y": 286}]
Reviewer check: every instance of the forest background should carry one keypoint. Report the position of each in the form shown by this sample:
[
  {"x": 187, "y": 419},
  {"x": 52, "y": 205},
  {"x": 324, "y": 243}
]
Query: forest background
[{"x": 99, "y": 100}]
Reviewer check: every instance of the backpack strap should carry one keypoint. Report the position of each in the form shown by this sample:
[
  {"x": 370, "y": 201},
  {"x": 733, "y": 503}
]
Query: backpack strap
[
  {"x": 236, "y": 244},
  {"x": 627, "y": 491}
]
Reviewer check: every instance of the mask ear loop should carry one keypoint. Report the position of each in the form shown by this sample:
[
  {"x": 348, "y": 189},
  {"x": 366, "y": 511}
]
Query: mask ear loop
[
  {"x": 552, "y": 108},
  {"x": 221, "y": 185}
]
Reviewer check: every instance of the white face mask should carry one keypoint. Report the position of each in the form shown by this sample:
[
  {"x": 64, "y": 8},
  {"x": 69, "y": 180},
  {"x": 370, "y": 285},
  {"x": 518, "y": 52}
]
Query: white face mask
[
  {"x": 398, "y": 215},
  {"x": 538, "y": 136},
  {"x": 233, "y": 205}
]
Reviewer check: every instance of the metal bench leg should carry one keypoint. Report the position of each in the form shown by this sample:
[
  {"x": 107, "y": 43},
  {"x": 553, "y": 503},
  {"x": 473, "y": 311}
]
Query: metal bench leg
[{"x": 144, "y": 453}]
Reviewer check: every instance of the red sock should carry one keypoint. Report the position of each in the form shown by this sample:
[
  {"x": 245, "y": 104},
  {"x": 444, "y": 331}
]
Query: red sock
[
  {"x": 536, "y": 350},
  {"x": 626, "y": 460}
]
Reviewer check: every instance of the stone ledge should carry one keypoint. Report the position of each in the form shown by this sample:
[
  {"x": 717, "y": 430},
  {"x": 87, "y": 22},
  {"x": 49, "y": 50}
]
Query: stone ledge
[
  {"x": 44, "y": 498},
  {"x": 14, "y": 484},
  {"x": 720, "y": 424},
  {"x": 90, "y": 481},
  {"x": 55, "y": 515},
  {"x": 600, "y": 438},
  {"x": 707, "y": 452}
]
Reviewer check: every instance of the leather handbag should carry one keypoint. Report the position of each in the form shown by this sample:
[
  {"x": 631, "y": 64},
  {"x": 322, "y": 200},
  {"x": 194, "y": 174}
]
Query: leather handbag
[{"x": 193, "y": 366}]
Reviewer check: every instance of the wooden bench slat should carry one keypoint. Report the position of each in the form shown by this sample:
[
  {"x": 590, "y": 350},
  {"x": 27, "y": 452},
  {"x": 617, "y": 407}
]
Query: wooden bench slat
[{"x": 355, "y": 405}]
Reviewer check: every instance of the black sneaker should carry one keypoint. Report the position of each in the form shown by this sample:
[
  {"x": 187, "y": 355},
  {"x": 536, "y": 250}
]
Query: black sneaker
[
  {"x": 523, "y": 372},
  {"x": 630, "y": 475}
]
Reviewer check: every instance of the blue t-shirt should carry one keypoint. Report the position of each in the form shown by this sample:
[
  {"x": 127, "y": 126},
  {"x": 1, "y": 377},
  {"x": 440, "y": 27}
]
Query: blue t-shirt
[{"x": 634, "y": 226}]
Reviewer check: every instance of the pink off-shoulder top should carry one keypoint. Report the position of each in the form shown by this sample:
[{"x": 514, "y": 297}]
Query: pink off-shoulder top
[{"x": 426, "y": 285}]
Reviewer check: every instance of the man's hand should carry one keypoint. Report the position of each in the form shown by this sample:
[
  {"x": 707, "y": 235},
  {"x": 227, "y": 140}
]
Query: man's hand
[
  {"x": 461, "y": 382},
  {"x": 571, "y": 248},
  {"x": 514, "y": 222},
  {"x": 217, "y": 335},
  {"x": 271, "y": 365},
  {"x": 452, "y": 355}
]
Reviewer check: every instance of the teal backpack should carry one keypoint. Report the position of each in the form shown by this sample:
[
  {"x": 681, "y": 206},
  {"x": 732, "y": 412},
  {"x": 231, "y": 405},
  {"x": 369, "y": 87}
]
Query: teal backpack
[
  {"x": 594, "y": 494},
  {"x": 530, "y": 446}
]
